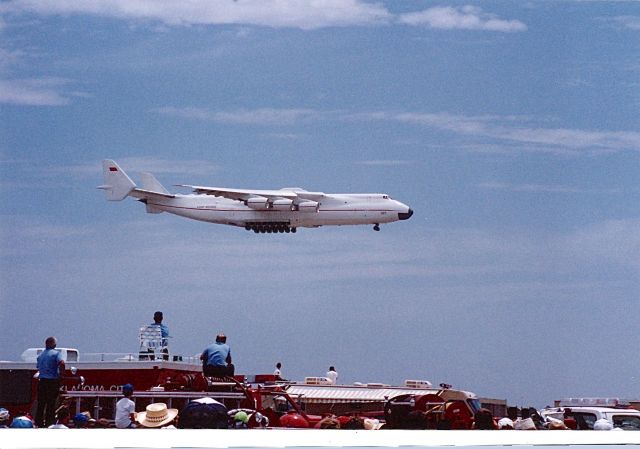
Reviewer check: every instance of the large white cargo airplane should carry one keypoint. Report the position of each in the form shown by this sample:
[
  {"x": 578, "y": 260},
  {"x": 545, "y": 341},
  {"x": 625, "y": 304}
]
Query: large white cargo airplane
[{"x": 260, "y": 211}]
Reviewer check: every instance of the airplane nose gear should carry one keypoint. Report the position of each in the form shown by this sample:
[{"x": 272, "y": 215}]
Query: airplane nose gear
[{"x": 376, "y": 227}]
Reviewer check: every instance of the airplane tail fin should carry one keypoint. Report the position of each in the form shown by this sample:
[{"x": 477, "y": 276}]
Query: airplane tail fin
[
  {"x": 117, "y": 184},
  {"x": 150, "y": 183}
]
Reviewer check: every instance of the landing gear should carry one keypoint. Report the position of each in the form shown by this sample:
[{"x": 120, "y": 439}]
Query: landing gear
[
  {"x": 376, "y": 227},
  {"x": 270, "y": 227}
]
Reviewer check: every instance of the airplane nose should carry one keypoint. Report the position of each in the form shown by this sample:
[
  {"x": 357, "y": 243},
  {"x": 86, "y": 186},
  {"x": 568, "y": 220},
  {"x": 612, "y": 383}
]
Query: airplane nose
[{"x": 405, "y": 215}]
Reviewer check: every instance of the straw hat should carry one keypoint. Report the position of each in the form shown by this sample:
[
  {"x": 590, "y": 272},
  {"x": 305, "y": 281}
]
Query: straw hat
[{"x": 156, "y": 415}]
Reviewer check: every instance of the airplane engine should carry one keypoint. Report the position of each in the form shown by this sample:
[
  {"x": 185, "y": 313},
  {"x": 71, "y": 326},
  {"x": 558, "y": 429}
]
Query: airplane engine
[
  {"x": 258, "y": 202},
  {"x": 283, "y": 204},
  {"x": 308, "y": 206}
]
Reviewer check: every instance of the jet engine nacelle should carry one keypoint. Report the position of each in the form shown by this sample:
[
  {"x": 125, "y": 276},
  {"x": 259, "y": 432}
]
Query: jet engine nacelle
[
  {"x": 258, "y": 202},
  {"x": 308, "y": 206},
  {"x": 283, "y": 204}
]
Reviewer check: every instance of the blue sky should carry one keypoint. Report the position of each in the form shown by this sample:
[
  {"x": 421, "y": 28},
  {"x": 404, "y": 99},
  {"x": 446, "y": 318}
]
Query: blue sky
[{"x": 511, "y": 128}]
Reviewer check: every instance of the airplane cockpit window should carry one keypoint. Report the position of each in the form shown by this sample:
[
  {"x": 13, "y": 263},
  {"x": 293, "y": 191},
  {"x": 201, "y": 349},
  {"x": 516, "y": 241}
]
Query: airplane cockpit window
[{"x": 385, "y": 197}]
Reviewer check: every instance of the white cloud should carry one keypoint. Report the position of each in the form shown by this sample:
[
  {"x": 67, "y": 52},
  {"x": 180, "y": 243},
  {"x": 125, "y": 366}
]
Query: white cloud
[
  {"x": 305, "y": 14},
  {"x": 33, "y": 92},
  {"x": 628, "y": 22},
  {"x": 385, "y": 162},
  {"x": 263, "y": 116},
  {"x": 572, "y": 139},
  {"x": 502, "y": 128},
  {"x": 461, "y": 18},
  {"x": 542, "y": 188}
]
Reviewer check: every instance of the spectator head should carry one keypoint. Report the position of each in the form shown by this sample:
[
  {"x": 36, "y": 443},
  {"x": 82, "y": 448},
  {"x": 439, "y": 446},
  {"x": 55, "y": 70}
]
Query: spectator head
[
  {"x": 127, "y": 390},
  {"x": 4, "y": 416},
  {"x": 221, "y": 338},
  {"x": 50, "y": 342}
]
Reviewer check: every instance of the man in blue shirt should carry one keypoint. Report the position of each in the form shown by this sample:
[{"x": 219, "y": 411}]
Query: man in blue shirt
[
  {"x": 50, "y": 366},
  {"x": 216, "y": 359},
  {"x": 164, "y": 330}
]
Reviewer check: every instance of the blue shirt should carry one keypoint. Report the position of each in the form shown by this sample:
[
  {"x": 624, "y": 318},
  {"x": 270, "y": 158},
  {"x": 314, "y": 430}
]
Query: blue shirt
[
  {"x": 48, "y": 363},
  {"x": 164, "y": 331},
  {"x": 217, "y": 354}
]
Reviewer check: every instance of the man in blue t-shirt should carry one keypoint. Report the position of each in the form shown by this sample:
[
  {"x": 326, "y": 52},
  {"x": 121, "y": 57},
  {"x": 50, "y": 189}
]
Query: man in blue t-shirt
[
  {"x": 216, "y": 359},
  {"x": 164, "y": 331},
  {"x": 50, "y": 367}
]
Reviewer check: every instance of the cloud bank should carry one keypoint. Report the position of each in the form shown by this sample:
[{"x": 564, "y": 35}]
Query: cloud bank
[
  {"x": 461, "y": 18},
  {"x": 304, "y": 14},
  {"x": 33, "y": 92}
]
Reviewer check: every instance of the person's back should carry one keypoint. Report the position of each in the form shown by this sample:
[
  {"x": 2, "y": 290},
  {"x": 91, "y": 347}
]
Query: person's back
[
  {"x": 49, "y": 362},
  {"x": 332, "y": 375},
  {"x": 125, "y": 409},
  {"x": 217, "y": 354},
  {"x": 216, "y": 359}
]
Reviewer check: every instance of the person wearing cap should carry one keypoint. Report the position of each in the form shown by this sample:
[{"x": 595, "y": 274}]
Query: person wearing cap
[
  {"x": 157, "y": 415},
  {"x": 126, "y": 409},
  {"x": 50, "y": 366},
  {"x": 505, "y": 424},
  {"x": 81, "y": 421},
  {"x": 240, "y": 420},
  {"x": 22, "y": 422},
  {"x": 602, "y": 424},
  {"x": 4, "y": 418},
  {"x": 216, "y": 359}
]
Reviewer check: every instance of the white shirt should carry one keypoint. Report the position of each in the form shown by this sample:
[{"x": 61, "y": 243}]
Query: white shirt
[
  {"x": 124, "y": 408},
  {"x": 276, "y": 372},
  {"x": 333, "y": 376}
]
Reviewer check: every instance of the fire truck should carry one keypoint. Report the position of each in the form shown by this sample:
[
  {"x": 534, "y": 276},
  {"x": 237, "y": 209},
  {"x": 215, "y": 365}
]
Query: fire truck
[{"x": 94, "y": 384}]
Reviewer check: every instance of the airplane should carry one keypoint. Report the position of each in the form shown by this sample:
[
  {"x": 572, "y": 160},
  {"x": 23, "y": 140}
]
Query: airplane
[{"x": 260, "y": 211}]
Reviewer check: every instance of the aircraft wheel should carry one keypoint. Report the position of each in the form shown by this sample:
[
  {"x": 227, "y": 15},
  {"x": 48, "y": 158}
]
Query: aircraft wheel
[
  {"x": 294, "y": 230},
  {"x": 287, "y": 229},
  {"x": 247, "y": 227},
  {"x": 376, "y": 227},
  {"x": 256, "y": 230}
]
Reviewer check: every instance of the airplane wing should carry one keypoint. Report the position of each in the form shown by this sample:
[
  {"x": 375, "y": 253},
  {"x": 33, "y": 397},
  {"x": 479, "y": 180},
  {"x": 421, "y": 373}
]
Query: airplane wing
[{"x": 241, "y": 194}]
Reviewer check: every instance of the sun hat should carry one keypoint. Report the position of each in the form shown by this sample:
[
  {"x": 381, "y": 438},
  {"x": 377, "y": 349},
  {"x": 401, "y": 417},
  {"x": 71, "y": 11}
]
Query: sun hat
[
  {"x": 557, "y": 425},
  {"x": 22, "y": 422},
  {"x": 505, "y": 422},
  {"x": 602, "y": 424},
  {"x": 525, "y": 424},
  {"x": 4, "y": 414},
  {"x": 372, "y": 424},
  {"x": 241, "y": 416},
  {"x": 156, "y": 415}
]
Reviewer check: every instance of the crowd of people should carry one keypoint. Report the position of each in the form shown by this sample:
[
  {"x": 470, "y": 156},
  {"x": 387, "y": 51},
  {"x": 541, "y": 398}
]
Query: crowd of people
[{"x": 208, "y": 413}]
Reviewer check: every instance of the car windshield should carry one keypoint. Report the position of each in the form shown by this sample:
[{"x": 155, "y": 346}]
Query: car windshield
[
  {"x": 475, "y": 405},
  {"x": 626, "y": 422}
]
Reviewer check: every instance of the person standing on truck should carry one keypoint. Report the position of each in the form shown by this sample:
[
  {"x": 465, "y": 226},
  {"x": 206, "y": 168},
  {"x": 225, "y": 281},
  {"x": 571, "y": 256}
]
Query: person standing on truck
[
  {"x": 216, "y": 359},
  {"x": 50, "y": 366},
  {"x": 332, "y": 375},
  {"x": 164, "y": 331},
  {"x": 277, "y": 372}
]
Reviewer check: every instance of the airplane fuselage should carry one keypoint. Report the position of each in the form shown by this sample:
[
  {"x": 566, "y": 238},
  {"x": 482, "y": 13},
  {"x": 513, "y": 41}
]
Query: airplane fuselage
[
  {"x": 262, "y": 211},
  {"x": 334, "y": 209}
]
